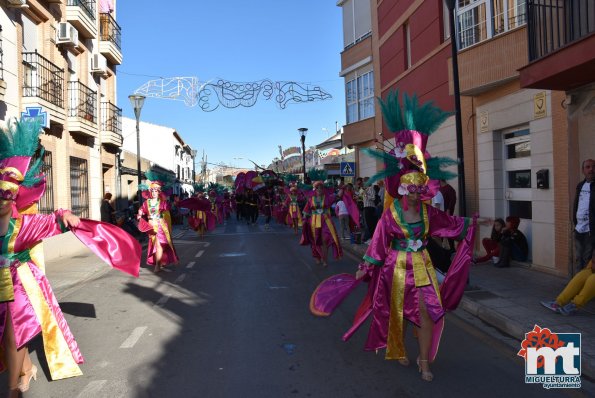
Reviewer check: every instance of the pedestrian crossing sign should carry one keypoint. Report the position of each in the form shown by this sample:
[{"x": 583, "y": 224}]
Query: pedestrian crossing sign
[{"x": 347, "y": 169}]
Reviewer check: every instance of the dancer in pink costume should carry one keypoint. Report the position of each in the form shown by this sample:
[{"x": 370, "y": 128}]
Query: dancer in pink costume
[
  {"x": 156, "y": 209},
  {"x": 28, "y": 306},
  {"x": 402, "y": 281}
]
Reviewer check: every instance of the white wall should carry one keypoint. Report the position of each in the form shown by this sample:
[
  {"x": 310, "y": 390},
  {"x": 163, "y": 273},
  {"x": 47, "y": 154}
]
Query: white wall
[{"x": 156, "y": 142}]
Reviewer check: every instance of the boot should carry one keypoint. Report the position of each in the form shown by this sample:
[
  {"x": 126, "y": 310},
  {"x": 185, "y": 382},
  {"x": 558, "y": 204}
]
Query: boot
[{"x": 504, "y": 260}]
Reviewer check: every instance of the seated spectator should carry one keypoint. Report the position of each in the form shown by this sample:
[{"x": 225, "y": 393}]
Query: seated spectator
[
  {"x": 492, "y": 244},
  {"x": 513, "y": 243},
  {"x": 577, "y": 293}
]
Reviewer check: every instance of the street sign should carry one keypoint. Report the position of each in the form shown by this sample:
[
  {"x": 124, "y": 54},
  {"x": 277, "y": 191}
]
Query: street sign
[
  {"x": 35, "y": 112},
  {"x": 347, "y": 169}
]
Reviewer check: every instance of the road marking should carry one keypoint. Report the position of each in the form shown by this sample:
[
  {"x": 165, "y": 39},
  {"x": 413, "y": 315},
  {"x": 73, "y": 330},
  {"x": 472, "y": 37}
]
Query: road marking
[
  {"x": 199, "y": 253},
  {"x": 180, "y": 278},
  {"x": 92, "y": 389},
  {"x": 134, "y": 337},
  {"x": 232, "y": 254},
  {"x": 190, "y": 264},
  {"x": 162, "y": 300}
]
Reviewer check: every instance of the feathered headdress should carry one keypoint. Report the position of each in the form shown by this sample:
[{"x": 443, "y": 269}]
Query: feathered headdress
[
  {"x": 159, "y": 181},
  {"x": 408, "y": 167},
  {"x": 21, "y": 181}
]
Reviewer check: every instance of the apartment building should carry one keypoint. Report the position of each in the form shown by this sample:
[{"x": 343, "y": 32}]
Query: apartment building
[
  {"x": 358, "y": 70},
  {"x": 161, "y": 146},
  {"x": 58, "y": 63}
]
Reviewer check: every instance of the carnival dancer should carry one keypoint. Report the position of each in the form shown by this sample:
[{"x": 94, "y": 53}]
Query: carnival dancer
[
  {"x": 402, "y": 281},
  {"x": 28, "y": 306},
  {"x": 251, "y": 206},
  {"x": 202, "y": 219},
  {"x": 294, "y": 214},
  {"x": 156, "y": 209},
  {"x": 318, "y": 229},
  {"x": 267, "y": 206}
]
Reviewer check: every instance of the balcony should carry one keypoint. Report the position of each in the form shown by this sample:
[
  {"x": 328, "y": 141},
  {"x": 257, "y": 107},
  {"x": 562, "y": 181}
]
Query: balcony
[
  {"x": 110, "y": 35},
  {"x": 561, "y": 41},
  {"x": 82, "y": 109},
  {"x": 43, "y": 85},
  {"x": 81, "y": 14},
  {"x": 111, "y": 124}
]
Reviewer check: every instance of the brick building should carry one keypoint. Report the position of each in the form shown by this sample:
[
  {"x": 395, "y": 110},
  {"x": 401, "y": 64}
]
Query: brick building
[{"x": 58, "y": 60}]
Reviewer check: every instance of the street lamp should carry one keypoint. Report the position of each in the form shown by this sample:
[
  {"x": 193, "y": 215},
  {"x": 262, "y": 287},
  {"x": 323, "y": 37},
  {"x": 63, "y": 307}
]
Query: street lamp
[
  {"x": 457, "y": 94},
  {"x": 303, "y": 131},
  {"x": 137, "y": 102},
  {"x": 194, "y": 152}
]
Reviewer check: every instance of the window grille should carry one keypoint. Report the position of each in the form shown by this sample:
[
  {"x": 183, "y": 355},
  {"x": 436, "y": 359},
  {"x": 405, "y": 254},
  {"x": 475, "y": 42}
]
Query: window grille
[{"x": 79, "y": 187}]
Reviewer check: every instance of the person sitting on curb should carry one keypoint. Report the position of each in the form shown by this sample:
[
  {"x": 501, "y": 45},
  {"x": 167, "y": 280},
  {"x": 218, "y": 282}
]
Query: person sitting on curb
[
  {"x": 513, "y": 243},
  {"x": 492, "y": 244},
  {"x": 577, "y": 293}
]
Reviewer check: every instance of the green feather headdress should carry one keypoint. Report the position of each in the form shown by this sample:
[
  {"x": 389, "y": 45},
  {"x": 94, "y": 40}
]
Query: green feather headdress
[
  {"x": 411, "y": 122},
  {"x": 166, "y": 180}
]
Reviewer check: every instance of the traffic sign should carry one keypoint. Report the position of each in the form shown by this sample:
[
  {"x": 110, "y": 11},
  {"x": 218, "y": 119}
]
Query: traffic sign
[{"x": 347, "y": 169}]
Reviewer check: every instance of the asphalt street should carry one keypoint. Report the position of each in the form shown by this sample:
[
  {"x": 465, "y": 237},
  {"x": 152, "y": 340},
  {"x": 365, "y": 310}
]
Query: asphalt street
[{"x": 232, "y": 320}]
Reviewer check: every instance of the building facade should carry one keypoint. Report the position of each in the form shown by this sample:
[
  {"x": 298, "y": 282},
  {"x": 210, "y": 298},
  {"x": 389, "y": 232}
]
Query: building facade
[
  {"x": 164, "y": 147},
  {"x": 358, "y": 70},
  {"x": 58, "y": 63}
]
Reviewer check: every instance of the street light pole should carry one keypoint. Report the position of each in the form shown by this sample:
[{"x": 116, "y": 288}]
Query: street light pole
[
  {"x": 457, "y": 94},
  {"x": 303, "y": 132},
  {"x": 137, "y": 102}
]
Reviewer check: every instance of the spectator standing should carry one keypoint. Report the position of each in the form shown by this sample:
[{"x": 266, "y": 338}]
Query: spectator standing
[
  {"x": 583, "y": 215},
  {"x": 370, "y": 219},
  {"x": 107, "y": 210},
  {"x": 450, "y": 200},
  {"x": 343, "y": 214}
]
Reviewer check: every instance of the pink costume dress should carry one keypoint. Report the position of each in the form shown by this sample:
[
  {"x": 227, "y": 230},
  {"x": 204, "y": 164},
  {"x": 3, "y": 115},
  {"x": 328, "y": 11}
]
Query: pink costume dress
[
  {"x": 158, "y": 213},
  {"x": 27, "y": 294},
  {"x": 403, "y": 274},
  {"x": 320, "y": 226},
  {"x": 293, "y": 211}
]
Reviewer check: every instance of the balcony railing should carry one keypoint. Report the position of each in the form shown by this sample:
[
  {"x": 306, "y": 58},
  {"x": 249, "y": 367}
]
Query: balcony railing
[
  {"x": 553, "y": 24},
  {"x": 42, "y": 79},
  {"x": 88, "y": 6},
  {"x": 110, "y": 30},
  {"x": 111, "y": 118},
  {"x": 83, "y": 101}
]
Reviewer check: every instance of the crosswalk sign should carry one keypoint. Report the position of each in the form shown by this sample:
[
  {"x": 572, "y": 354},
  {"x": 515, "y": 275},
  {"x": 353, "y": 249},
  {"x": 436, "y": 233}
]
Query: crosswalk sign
[{"x": 347, "y": 169}]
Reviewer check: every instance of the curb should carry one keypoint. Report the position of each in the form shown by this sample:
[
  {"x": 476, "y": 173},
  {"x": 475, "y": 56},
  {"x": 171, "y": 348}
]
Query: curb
[{"x": 511, "y": 328}]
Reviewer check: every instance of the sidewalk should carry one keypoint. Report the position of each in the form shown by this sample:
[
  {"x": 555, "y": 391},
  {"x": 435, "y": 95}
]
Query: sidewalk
[{"x": 509, "y": 300}]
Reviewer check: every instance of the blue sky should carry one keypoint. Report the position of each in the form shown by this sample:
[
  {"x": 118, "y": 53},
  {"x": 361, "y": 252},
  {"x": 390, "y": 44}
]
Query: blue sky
[{"x": 240, "y": 41}]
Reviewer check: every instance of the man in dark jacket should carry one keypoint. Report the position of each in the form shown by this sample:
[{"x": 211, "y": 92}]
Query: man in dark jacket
[
  {"x": 107, "y": 210},
  {"x": 583, "y": 215}
]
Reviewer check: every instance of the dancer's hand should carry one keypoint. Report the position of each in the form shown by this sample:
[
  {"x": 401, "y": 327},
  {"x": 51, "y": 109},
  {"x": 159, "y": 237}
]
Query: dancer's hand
[
  {"x": 70, "y": 220},
  {"x": 360, "y": 274}
]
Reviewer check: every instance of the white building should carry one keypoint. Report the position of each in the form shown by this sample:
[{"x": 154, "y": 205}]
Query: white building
[{"x": 163, "y": 146}]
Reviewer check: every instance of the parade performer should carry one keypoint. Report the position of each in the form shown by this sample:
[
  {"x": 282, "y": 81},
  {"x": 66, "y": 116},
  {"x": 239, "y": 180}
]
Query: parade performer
[
  {"x": 402, "y": 281},
  {"x": 294, "y": 214},
  {"x": 28, "y": 306},
  {"x": 201, "y": 218},
  {"x": 156, "y": 210},
  {"x": 318, "y": 229}
]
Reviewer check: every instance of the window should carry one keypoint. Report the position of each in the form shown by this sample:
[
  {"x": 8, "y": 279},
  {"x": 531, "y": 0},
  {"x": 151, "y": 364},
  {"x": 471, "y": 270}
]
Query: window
[
  {"x": 446, "y": 20},
  {"x": 478, "y": 20},
  {"x": 360, "y": 97},
  {"x": 519, "y": 179},
  {"x": 357, "y": 21},
  {"x": 518, "y": 144},
  {"x": 408, "y": 45},
  {"x": 351, "y": 102},
  {"x": 79, "y": 187},
  {"x": 46, "y": 202}
]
